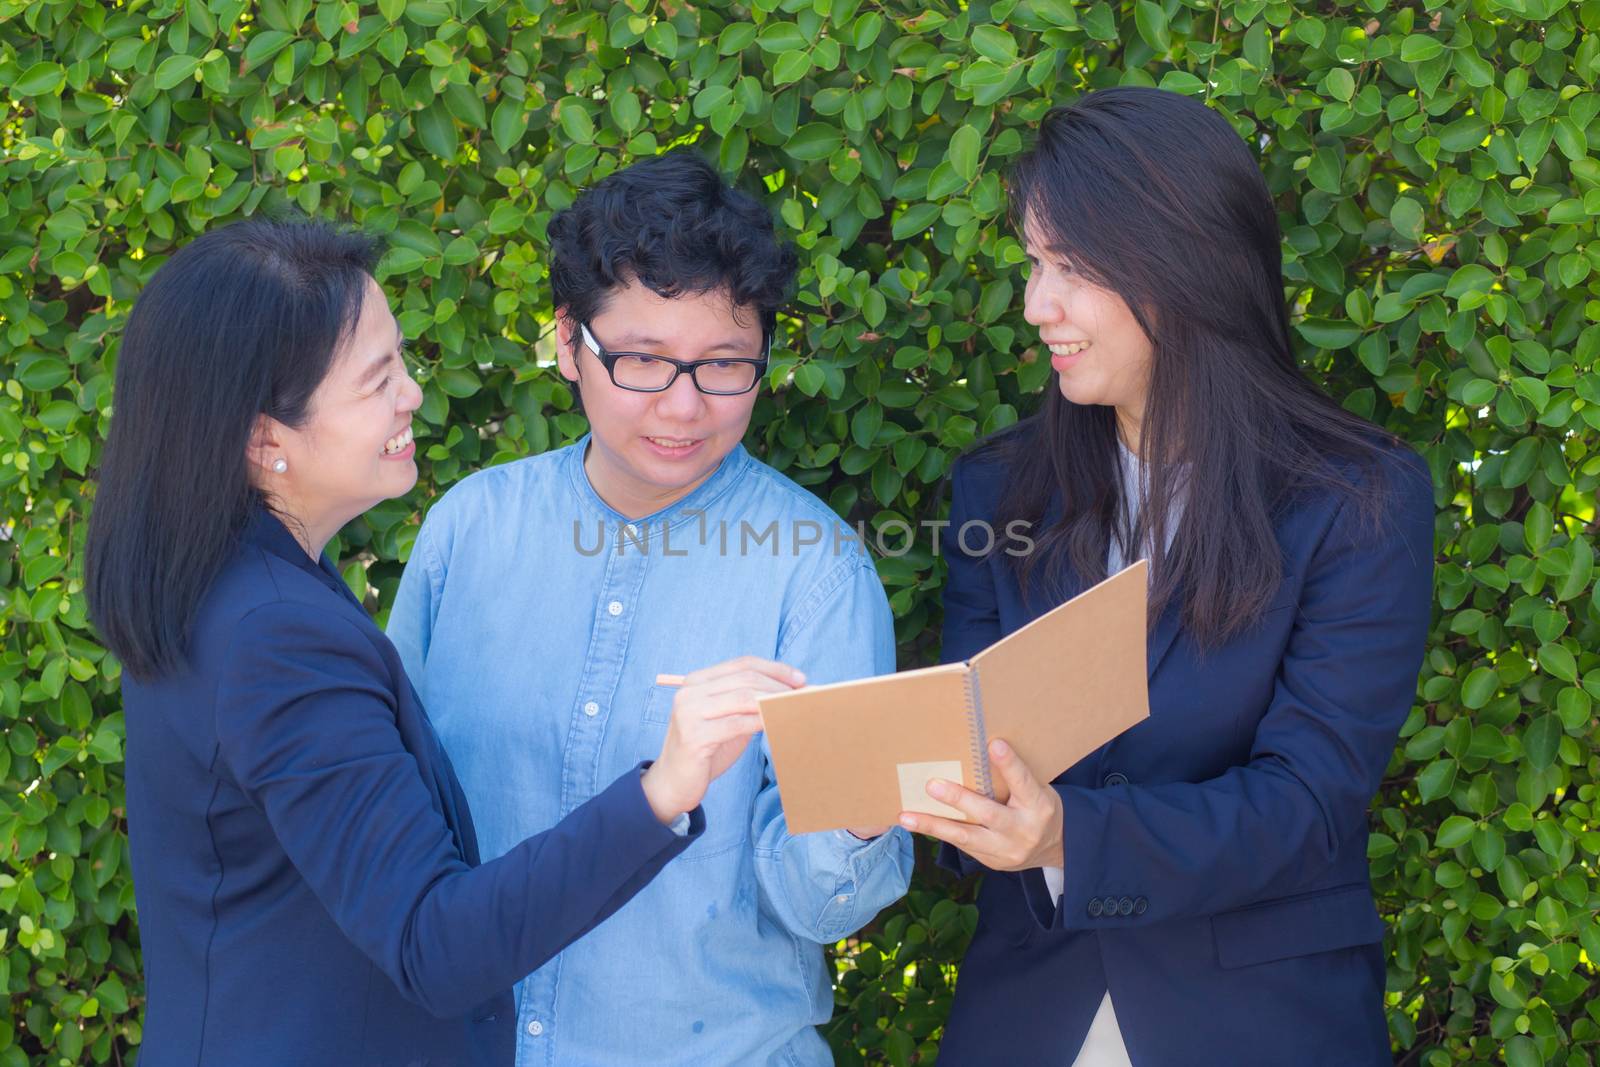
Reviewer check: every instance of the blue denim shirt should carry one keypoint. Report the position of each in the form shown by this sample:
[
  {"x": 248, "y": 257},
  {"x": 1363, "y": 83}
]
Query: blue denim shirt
[{"x": 533, "y": 619}]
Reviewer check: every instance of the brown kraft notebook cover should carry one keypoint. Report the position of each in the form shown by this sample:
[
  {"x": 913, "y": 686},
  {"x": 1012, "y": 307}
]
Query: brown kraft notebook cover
[{"x": 859, "y": 753}]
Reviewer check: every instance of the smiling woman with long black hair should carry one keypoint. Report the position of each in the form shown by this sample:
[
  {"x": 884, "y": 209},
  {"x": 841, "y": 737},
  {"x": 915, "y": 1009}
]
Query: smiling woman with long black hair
[
  {"x": 1196, "y": 891},
  {"x": 308, "y": 881}
]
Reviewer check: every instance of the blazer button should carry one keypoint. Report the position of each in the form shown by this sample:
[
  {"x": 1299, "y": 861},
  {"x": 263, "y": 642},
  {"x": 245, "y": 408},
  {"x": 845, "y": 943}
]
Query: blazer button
[
  {"x": 1114, "y": 778},
  {"x": 1140, "y": 906},
  {"x": 1095, "y": 908},
  {"x": 1109, "y": 906},
  {"x": 1125, "y": 906}
]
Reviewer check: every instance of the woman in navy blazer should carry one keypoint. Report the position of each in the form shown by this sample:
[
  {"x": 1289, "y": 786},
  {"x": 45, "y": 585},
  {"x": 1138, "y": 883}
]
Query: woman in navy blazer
[
  {"x": 308, "y": 883},
  {"x": 1196, "y": 891}
]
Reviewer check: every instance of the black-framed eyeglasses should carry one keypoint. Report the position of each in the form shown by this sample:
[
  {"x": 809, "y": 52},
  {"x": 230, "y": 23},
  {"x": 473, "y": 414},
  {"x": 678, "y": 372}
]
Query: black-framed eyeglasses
[{"x": 642, "y": 372}]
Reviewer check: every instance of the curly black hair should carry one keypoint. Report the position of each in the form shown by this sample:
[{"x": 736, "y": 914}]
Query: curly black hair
[{"x": 673, "y": 224}]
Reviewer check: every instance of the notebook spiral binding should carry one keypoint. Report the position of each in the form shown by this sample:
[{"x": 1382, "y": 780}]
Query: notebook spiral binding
[{"x": 978, "y": 734}]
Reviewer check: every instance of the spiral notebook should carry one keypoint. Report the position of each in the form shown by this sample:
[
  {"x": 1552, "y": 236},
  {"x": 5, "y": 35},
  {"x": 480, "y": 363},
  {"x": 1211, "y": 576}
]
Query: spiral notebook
[{"x": 859, "y": 753}]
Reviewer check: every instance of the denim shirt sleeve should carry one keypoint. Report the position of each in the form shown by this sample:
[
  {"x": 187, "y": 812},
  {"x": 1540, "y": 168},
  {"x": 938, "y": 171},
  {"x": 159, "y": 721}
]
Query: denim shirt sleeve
[
  {"x": 825, "y": 886},
  {"x": 410, "y": 623}
]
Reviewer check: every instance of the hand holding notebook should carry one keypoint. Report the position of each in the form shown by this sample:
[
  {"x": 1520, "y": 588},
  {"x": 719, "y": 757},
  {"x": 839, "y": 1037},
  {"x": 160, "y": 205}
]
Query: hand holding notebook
[{"x": 858, "y": 753}]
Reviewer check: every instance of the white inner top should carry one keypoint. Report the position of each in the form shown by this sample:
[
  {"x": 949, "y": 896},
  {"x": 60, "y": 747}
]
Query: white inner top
[{"x": 1103, "y": 1045}]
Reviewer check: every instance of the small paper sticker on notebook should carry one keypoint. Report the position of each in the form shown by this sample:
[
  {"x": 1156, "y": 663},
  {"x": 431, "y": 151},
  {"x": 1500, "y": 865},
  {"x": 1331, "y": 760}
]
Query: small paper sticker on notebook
[{"x": 914, "y": 786}]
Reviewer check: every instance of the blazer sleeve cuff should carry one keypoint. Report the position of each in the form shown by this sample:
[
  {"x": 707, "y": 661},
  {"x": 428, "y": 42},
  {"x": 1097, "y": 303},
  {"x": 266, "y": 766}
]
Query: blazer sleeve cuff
[{"x": 641, "y": 824}]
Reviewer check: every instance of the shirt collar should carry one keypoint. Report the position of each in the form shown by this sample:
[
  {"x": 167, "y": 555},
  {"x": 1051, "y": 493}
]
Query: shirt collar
[
  {"x": 680, "y": 512},
  {"x": 267, "y": 532}
]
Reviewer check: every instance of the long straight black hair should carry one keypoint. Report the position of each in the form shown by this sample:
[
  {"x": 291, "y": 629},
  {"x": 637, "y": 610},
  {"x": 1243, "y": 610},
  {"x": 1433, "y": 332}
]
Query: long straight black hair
[
  {"x": 1154, "y": 197},
  {"x": 243, "y": 321}
]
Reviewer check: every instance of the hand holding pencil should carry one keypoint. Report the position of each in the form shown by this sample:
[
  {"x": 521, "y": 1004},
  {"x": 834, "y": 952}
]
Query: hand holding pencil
[
  {"x": 865, "y": 833},
  {"x": 713, "y": 718}
]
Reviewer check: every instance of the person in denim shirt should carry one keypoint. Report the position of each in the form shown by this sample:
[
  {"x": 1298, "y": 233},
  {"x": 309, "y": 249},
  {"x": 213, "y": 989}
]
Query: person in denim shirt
[{"x": 543, "y": 597}]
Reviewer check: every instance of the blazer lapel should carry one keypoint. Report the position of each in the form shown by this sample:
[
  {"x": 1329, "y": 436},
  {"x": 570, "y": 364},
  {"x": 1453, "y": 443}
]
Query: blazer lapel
[{"x": 1161, "y": 636}]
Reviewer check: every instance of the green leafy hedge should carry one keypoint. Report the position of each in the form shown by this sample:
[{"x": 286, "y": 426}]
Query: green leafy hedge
[{"x": 1432, "y": 165}]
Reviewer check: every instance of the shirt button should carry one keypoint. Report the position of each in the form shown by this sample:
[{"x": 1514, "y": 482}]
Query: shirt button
[
  {"x": 1114, "y": 778},
  {"x": 591, "y": 709},
  {"x": 535, "y": 1028},
  {"x": 615, "y": 607},
  {"x": 633, "y": 531},
  {"x": 842, "y": 898}
]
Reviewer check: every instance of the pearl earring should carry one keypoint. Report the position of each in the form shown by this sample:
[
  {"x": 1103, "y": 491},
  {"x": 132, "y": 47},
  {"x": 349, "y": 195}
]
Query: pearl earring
[{"x": 280, "y": 465}]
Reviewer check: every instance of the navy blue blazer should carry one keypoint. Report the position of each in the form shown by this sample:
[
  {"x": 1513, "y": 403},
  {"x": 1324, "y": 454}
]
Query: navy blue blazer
[
  {"x": 1216, "y": 854},
  {"x": 308, "y": 883}
]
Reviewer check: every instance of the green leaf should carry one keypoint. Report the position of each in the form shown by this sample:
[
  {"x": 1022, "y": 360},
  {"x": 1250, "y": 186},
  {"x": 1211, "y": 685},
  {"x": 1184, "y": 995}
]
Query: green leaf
[
  {"x": 813, "y": 141},
  {"x": 1580, "y": 570},
  {"x": 175, "y": 70},
  {"x": 864, "y": 424},
  {"x": 662, "y": 39},
  {"x": 1489, "y": 848},
  {"x": 995, "y": 300},
  {"x": 428, "y": 12},
  {"x": 791, "y": 67},
  {"x": 1479, "y": 392},
  {"x": 1464, "y": 134},
  {"x": 437, "y": 131},
  {"x": 1327, "y": 168},
  {"x": 1541, "y": 739},
  {"x": 781, "y": 37},
  {"x": 1520, "y": 462},
  {"x": 944, "y": 181},
  {"x": 1559, "y": 662},
  {"x": 1455, "y": 830},
  {"x": 873, "y": 307},
  {"x": 1419, "y": 48},
  {"x": 994, "y": 43},
  {"x": 42, "y": 373},
  {"x": 735, "y": 38},
  {"x": 458, "y": 382},
  {"x": 1436, "y": 779},
  {"x": 1100, "y": 22},
  {"x": 264, "y": 45},
  {"x": 915, "y": 219},
  {"x": 1522, "y": 1052},
  {"x": 509, "y": 123},
  {"x": 1479, "y": 686},
  {"x": 1328, "y": 333},
  {"x": 626, "y": 112},
  {"x": 1151, "y": 21},
  {"x": 965, "y": 144},
  {"x": 1567, "y": 212},
  {"x": 1474, "y": 70},
  {"x": 1181, "y": 81},
  {"x": 1589, "y": 936},
  {"x": 465, "y": 105},
  {"x": 1533, "y": 390},
  {"x": 1341, "y": 83},
  {"x": 864, "y": 33},
  {"x": 42, "y": 79},
  {"x": 1471, "y": 278},
  {"x": 1406, "y": 218},
  {"x": 575, "y": 121},
  {"x": 809, "y": 378}
]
